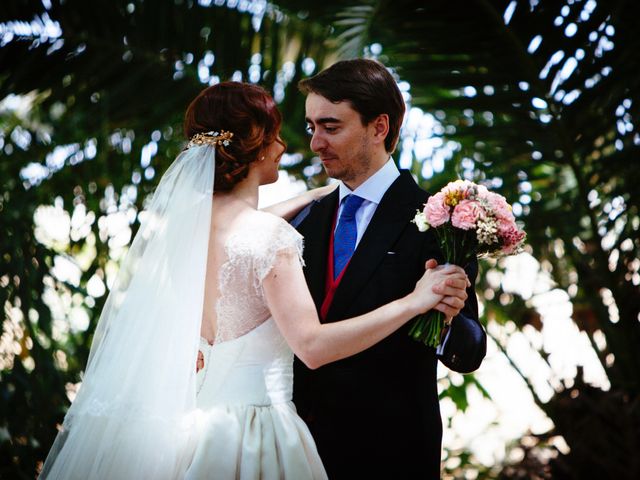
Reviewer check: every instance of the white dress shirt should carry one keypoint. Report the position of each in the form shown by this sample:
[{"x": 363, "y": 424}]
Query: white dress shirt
[{"x": 372, "y": 190}]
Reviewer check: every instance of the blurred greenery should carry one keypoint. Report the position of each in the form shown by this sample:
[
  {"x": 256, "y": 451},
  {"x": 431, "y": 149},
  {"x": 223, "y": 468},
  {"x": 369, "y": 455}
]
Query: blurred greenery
[{"x": 535, "y": 98}]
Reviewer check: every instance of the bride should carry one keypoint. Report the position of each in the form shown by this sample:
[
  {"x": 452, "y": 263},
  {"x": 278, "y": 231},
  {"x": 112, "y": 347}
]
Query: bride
[{"x": 190, "y": 371}]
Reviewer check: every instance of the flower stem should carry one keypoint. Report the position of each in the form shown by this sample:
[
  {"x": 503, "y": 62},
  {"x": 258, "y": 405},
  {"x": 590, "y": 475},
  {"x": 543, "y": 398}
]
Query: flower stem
[{"x": 427, "y": 328}]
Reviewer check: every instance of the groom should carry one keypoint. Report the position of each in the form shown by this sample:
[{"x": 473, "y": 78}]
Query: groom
[{"x": 376, "y": 414}]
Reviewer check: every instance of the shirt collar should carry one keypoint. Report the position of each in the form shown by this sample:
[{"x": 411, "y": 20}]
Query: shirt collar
[{"x": 374, "y": 187}]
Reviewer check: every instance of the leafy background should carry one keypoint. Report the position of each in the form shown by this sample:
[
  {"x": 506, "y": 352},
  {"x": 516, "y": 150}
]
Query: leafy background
[{"x": 537, "y": 99}]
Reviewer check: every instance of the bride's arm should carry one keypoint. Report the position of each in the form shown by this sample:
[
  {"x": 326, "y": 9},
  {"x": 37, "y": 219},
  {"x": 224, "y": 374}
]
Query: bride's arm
[
  {"x": 317, "y": 344},
  {"x": 288, "y": 209}
]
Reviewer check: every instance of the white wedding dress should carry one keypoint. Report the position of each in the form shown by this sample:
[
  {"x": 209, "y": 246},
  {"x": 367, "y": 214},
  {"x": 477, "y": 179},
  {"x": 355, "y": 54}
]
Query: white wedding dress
[
  {"x": 246, "y": 423},
  {"x": 143, "y": 411}
]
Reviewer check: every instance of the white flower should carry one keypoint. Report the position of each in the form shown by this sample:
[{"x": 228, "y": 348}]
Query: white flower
[
  {"x": 487, "y": 231},
  {"x": 421, "y": 221}
]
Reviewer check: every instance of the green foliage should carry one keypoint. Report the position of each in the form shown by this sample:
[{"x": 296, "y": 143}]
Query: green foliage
[{"x": 103, "y": 86}]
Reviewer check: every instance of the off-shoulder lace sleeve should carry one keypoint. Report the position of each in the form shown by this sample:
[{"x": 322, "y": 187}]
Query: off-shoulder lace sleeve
[{"x": 283, "y": 239}]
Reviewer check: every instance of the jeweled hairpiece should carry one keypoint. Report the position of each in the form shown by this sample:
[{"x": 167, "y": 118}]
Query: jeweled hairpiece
[{"x": 211, "y": 138}]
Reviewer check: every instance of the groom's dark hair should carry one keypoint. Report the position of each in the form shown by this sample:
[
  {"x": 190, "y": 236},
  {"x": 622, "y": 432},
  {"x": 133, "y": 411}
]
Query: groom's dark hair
[{"x": 368, "y": 86}]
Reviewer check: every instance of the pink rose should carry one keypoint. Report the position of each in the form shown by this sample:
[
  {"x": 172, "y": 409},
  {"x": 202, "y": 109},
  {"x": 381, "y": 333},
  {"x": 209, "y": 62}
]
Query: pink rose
[
  {"x": 482, "y": 192},
  {"x": 500, "y": 207},
  {"x": 435, "y": 211},
  {"x": 466, "y": 214}
]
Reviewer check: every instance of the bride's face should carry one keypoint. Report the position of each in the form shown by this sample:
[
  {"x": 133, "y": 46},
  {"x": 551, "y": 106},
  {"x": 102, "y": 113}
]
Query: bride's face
[{"x": 271, "y": 161}]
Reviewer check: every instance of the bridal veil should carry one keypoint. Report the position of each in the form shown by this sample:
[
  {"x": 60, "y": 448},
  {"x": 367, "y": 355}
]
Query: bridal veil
[{"x": 132, "y": 415}]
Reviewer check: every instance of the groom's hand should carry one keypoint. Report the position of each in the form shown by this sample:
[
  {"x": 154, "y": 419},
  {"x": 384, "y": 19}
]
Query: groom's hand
[{"x": 454, "y": 293}]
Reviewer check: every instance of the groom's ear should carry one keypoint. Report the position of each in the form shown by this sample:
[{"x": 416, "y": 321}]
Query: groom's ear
[{"x": 380, "y": 126}]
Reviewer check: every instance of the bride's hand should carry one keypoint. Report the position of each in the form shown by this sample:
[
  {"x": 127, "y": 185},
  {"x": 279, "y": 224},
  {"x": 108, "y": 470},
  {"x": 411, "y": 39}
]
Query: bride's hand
[
  {"x": 441, "y": 288},
  {"x": 288, "y": 209},
  {"x": 321, "y": 192},
  {"x": 454, "y": 297}
]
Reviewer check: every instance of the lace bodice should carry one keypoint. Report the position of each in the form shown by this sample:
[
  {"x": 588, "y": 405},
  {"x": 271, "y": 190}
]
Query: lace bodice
[{"x": 251, "y": 254}]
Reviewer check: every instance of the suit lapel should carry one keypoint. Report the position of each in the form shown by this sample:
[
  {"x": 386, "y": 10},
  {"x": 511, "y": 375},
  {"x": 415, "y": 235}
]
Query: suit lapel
[
  {"x": 316, "y": 229},
  {"x": 392, "y": 216}
]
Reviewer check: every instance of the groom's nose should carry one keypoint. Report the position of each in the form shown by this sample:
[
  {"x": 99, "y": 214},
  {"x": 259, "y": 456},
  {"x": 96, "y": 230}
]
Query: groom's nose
[{"x": 318, "y": 142}]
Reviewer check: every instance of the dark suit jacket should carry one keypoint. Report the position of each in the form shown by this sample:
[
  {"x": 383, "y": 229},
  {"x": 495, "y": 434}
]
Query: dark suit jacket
[{"x": 376, "y": 413}]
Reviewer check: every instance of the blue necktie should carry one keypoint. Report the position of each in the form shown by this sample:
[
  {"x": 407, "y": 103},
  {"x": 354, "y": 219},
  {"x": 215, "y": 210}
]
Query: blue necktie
[{"x": 344, "y": 240}]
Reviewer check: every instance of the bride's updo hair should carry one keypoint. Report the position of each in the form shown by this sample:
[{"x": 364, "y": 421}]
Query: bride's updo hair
[{"x": 245, "y": 110}]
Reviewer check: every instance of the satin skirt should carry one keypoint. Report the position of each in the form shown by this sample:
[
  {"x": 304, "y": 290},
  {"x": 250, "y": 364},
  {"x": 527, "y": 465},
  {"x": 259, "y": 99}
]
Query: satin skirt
[{"x": 247, "y": 426}]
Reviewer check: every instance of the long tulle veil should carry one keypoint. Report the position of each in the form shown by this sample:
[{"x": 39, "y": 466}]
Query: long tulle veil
[{"x": 133, "y": 413}]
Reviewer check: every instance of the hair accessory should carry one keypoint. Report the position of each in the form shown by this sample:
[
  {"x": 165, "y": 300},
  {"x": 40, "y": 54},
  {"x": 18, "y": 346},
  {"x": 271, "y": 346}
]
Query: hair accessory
[{"x": 212, "y": 138}]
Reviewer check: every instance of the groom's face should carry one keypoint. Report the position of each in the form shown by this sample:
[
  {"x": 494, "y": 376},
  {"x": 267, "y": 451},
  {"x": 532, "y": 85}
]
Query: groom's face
[{"x": 339, "y": 138}]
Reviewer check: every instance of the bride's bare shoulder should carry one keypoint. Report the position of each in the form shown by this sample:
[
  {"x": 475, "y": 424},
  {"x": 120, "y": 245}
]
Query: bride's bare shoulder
[
  {"x": 269, "y": 217},
  {"x": 274, "y": 222},
  {"x": 266, "y": 227},
  {"x": 253, "y": 223}
]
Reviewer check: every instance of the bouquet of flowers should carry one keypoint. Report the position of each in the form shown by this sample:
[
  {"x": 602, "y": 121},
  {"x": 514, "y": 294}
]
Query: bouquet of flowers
[{"x": 469, "y": 221}]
